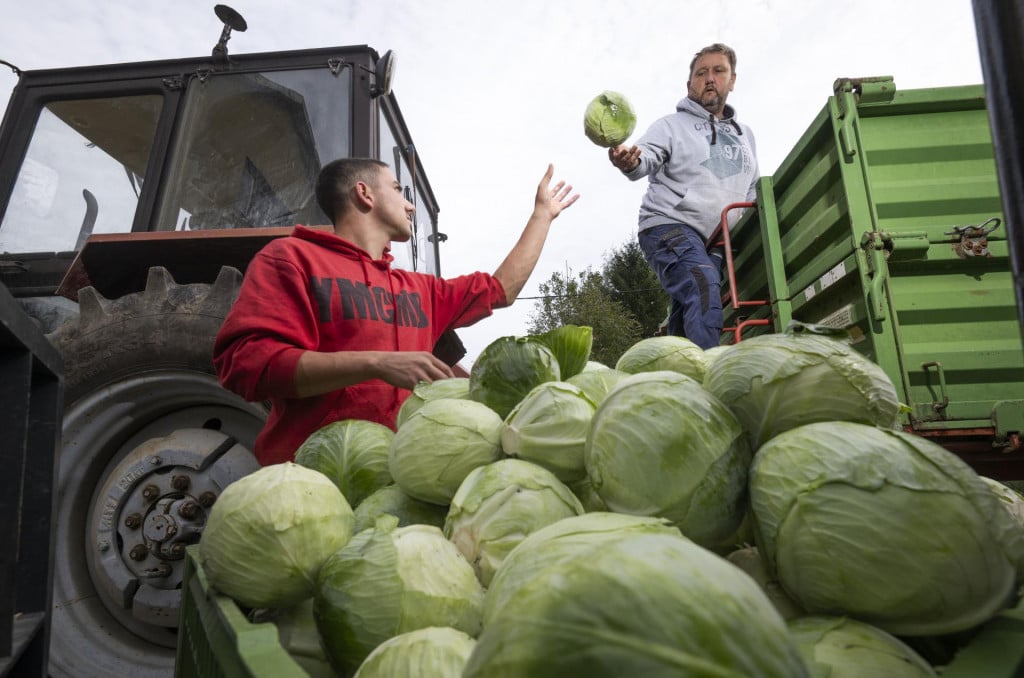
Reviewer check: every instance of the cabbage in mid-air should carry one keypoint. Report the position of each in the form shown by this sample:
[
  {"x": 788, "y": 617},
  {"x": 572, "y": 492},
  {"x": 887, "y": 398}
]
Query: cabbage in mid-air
[{"x": 609, "y": 119}]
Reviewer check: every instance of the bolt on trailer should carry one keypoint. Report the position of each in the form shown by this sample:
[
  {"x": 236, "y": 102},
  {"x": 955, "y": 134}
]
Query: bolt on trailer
[{"x": 132, "y": 197}]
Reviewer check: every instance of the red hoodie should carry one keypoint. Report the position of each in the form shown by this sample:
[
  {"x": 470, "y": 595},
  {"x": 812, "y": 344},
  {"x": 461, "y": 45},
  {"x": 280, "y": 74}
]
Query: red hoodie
[{"x": 314, "y": 291}]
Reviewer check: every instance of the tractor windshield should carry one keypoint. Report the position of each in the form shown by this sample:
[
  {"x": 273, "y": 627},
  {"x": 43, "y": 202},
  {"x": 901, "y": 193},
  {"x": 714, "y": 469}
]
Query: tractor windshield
[{"x": 250, "y": 146}]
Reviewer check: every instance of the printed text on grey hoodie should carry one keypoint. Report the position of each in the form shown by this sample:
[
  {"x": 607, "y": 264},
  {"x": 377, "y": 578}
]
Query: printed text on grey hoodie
[{"x": 697, "y": 166}]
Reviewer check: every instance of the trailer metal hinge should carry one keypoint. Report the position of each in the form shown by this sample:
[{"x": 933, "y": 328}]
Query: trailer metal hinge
[
  {"x": 174, "y": 83},
  {"x": 939, "y": 405},
  {"x": 875, "y": 248},
  {"x": 851, "y": 93}
]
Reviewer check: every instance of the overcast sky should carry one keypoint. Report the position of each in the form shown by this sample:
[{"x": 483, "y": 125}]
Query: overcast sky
[{"x": 493, "y": 91}]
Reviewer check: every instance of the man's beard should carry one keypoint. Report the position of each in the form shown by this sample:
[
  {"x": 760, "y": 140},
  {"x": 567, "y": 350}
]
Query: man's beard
[{"x": 711, "y": 100}]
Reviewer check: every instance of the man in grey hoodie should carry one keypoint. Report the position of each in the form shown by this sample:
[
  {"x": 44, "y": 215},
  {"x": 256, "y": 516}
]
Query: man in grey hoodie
[{"x": 699, "y": 160}]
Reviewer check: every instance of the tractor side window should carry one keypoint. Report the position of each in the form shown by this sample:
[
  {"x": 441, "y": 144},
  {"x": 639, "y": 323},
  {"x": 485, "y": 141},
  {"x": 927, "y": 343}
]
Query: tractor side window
[
  {"x": 82, "y": 173},
  {"x": 418, "y": 253},
  {"x": 250, "y": 147}
]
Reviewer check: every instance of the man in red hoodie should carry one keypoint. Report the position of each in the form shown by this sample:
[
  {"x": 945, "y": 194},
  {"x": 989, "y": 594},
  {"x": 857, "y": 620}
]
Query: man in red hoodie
[{"x": 325, "y": 329}]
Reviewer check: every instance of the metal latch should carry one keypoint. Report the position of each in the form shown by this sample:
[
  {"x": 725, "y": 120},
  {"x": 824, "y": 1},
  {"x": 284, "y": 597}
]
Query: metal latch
[
  {"x": 939, "y": 405},
  {"x": 974, "y": 239}
]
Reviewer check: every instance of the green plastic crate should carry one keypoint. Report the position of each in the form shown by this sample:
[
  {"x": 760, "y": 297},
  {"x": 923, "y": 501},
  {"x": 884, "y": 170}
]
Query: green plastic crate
[
  {"x": 862, "y": 228},
  {"x": 216, "y": 639}
]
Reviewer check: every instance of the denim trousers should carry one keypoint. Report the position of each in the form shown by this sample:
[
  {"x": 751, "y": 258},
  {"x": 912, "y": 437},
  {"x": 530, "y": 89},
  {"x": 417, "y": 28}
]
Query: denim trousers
[{"x": 691, "y": 277}]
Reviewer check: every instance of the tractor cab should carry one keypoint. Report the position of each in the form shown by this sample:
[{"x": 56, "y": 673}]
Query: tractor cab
[{"x": 153, "y": 158}]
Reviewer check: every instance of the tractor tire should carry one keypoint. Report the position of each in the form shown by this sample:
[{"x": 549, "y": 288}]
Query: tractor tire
[{"x": 149, "y": 440}]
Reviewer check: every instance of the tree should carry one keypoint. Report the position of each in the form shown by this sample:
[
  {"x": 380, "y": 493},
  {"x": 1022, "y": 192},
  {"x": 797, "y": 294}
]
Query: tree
[
  {"x": 632, "y": 283},
  {"x": 622, "y": 303},
  {"x": 584, "y": 300}
]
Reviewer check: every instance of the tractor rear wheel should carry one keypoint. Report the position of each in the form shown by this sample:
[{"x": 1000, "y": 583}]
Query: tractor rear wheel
[{"x": 149, "y": 440}]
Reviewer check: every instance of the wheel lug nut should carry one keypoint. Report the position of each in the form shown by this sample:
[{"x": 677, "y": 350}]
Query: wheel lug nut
[
  {"x": 150, "y": 492},
  {"x": 207, "y": 499},
  {"x": 132, "y": 521},
  {"x": 189, "y": 510},
  {"x": 139, "y": 552},
  {"x": 180, "y": 483}
]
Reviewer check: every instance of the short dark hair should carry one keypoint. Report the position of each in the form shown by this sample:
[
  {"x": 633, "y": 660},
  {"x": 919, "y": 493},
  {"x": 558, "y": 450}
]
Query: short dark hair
[
  {"x": 716, "y": 48},
  {"x": 338, "y": 178}
]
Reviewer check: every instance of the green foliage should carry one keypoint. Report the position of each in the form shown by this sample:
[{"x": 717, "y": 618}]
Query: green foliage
[
  {"x": 632, "y": 283},
  {"x": 622, "y": 302}
]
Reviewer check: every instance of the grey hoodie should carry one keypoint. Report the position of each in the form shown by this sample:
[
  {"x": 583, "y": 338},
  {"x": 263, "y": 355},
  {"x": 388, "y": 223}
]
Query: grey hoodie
[{"x": 696, "y": 167}]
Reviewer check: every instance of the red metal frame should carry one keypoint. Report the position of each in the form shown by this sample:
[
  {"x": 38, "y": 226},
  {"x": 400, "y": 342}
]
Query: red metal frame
[{"x": 720, "y": 237}]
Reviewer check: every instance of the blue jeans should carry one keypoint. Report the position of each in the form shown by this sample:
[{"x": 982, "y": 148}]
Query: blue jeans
[{"x": 691, "y": 277}]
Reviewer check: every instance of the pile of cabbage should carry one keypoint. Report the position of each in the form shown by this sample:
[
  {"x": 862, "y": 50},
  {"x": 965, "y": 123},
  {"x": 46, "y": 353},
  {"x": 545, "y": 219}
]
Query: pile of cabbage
[{"x": 755, "y": 509}]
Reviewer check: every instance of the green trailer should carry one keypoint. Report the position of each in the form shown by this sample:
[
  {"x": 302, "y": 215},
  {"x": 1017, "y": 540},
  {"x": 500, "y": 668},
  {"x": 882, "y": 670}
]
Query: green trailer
[{"x": 886, "y": 220}]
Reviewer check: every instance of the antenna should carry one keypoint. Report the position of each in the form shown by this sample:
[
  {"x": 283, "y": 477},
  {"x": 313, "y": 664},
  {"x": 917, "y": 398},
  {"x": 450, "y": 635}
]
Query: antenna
[{"x": 232, "y": 21}]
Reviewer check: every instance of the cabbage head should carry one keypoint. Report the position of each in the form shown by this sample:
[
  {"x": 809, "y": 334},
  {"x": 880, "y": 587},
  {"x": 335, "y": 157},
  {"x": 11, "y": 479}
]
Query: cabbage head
[
  {"x": 439, "y": 445},
  {"x": 436, "y": 651},
  {"x": 660, "y": 445},
  {"x": 507, "y": 369},
  {"x": 596, "y": 383},
  {"x": 584, "y": 491},
  {"x": 570, "y": 345},
  {"x": 883, "y": 526},
  {"x": 609, "y": 119},
  {"x": 711, "y": 353},
  {"x": 269, "y": 533},
  {"x": 557, "y": 542},
  {"x": 775, "y": 382},
  {"x": 390, "y": 580},
  {"x": 653, "y": 354},
  {"x": 353, "y": 453},
  {"x": 839, "y": 647},
  {"x": 750, "y": 561},
  {"x": 498, "y": 505},
  {"x": 1010, "y": 498},
  {"x": 637, "y": 605},
  {"x": 393, "y": 501},
  {"x": 549, "y": 427},
  {"x": 453, "y": 387}
]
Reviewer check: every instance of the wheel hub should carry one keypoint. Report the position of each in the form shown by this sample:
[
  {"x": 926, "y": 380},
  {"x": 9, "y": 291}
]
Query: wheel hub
[{"x": 154, "y": 503}]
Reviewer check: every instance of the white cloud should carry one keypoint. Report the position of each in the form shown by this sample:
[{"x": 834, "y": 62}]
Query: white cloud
[{"x": 494, "y": 91}]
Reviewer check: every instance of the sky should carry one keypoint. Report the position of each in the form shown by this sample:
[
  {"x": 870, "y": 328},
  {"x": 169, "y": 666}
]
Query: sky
[{"x": 494, "y": 91}]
